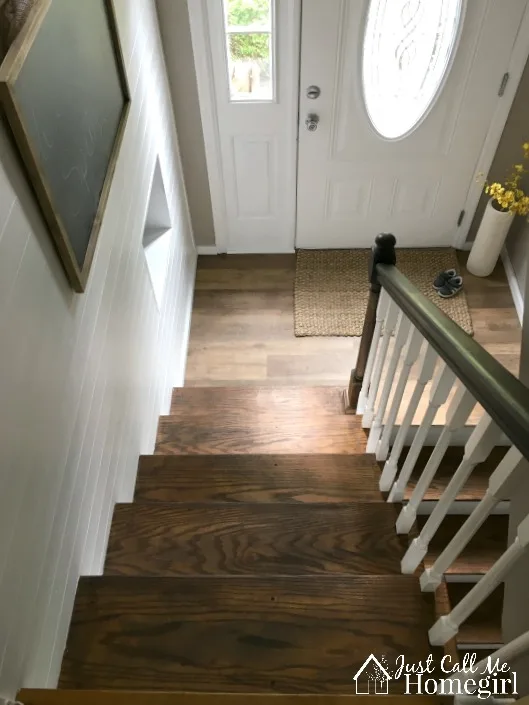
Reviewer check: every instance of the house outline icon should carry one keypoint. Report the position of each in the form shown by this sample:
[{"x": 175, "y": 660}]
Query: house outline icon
[{"x": 381, "y": 686}]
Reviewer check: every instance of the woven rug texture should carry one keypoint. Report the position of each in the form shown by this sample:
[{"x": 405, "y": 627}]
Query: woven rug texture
[{"x": 331, "y": 288}]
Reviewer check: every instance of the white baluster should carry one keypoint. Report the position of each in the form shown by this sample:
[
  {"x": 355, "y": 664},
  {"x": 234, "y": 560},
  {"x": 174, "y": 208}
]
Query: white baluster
[
  {"x": 483, "y": 439},
  {"x": 413, "y": 347},
  {"x": 458, "y": 412},
  {"x": 433, "y": 577},
  {"x": 447, "y": 627},
  {"x": 389, "y": 327},
  {"x": 392, "y": 463},
  {"x": 403, "y": 328},
  {"x": 441, "y": 386},
  {"x": 382, "y": 308}
]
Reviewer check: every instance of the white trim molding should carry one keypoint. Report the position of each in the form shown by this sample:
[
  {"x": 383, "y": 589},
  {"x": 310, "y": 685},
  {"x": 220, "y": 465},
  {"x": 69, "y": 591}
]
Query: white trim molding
[
  {"x": 514, "y": 284},
  {"x": 207, "y": 250},
  {"x": 515, "y": 68},
  {"x": 201, "y": 40}
]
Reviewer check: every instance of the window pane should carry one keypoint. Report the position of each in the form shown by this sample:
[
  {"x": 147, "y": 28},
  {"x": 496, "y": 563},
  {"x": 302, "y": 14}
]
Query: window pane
[
  {"x": 250, "y": 66},
  {"x": 248, "y": 13},
  {"x": 406, "y": 55}
]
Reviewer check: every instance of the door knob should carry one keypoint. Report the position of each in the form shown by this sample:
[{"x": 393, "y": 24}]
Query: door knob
[{"x": 311, "y": 122}]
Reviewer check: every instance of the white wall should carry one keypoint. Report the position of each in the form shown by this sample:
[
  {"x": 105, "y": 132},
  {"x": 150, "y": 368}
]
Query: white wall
[
  {"x": 83, "y": 378},
  {"x": 509, "y": 152}
]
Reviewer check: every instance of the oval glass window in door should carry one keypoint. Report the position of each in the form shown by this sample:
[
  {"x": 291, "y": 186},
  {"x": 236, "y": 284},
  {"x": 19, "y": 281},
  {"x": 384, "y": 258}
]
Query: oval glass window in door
[{"x": 406, "y": 55}]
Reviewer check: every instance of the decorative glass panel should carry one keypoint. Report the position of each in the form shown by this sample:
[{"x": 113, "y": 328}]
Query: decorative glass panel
[
  {"x": 250, "y": 49},
  {"x": 407, "y": 50}
]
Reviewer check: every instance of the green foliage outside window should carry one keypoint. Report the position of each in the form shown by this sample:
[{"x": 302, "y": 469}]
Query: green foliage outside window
[{"x": 244, "y": 13}]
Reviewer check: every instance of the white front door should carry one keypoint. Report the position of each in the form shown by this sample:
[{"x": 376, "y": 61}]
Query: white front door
[
  {"x": 408, "y": 92},
  {"x": 252, "y": 72}
]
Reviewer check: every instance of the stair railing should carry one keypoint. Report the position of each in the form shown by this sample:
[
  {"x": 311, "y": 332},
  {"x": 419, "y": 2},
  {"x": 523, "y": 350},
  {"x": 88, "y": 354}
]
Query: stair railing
[{"x": 405, "y": 328}]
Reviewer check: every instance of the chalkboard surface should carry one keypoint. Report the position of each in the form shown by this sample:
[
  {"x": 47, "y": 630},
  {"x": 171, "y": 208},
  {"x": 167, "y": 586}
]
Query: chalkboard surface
[{"x": 67, "y": 101}]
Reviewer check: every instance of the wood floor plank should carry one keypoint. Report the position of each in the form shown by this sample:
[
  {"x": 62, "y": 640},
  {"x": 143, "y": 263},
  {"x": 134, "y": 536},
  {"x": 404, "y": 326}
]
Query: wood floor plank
[
  {"x": 311, "y": 366},
  {"x": 250, "y": 322},
  {"x": 148, "y": 697},
  {"x": 287, "y": 635},
  {"x": 248, "y": 262},
  {"x": 484, "y": 624},
  {"x": 226, "y": 303},
  {"x": 284, "y": 432},
  {"x": 257, "y": 478},
  {"x": 248, "y": 281},
  {"x": 253, "y": 539},
  {"x": 482, "y": 551},
  {"x": 206, "y": 327},
  {"x": 476, "y": 485},
  {"x": 267, "y": 401}
]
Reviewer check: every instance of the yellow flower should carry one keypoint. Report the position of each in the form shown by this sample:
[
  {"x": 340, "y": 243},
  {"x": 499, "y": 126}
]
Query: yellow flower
[
  {"x": 519, "y": 168},
  {"x": 526, "y": 146}
]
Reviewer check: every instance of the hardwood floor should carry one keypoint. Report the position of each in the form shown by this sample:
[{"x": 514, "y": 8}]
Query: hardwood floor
[
  {"x": 259, "y": 554},
  {"x": 242, "y": 330},
  {"x": 237, "y": 634},
  {"x": 335, "y": 479},
  {"x": 164, "y": 540},
  {"x": 285, "y": 420},
  {"x": 241, "y": 567}
]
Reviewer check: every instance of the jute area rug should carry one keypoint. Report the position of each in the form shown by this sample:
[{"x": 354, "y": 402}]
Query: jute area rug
[{"x": 331, "y": 288}]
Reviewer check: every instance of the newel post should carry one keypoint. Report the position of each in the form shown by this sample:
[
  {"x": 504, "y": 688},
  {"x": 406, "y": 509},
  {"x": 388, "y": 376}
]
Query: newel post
[{"x": 382, "y": 252}]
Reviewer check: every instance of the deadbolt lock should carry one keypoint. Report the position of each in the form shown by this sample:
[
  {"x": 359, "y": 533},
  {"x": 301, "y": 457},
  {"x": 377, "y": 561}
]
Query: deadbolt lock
[{"x": 313, "y": 92}]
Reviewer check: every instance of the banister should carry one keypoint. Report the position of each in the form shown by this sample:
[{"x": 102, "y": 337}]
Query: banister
[{"x": 504, "y": 397}]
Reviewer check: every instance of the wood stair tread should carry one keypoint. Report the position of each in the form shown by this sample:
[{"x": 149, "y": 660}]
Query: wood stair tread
[
  {"x": 475, "y": 487},
  {"x": 257, "y": 478},
  {"x": 195, "y": 401},
  {"x": 241, "y": 634},
  {"x": 484, "y": 624},
  {"x": 30, "y": 696},
  {"x": 482, "y": 551},
  {"x": 253, "y": 539},
  {"x": 277, "y": 432}
]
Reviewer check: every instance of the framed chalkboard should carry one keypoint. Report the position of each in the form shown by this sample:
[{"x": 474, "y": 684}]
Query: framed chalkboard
[{"x": 65, "y": 93}]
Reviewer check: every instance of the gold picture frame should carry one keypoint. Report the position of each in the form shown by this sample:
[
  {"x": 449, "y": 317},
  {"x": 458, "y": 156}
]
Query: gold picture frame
[{"x": 76, "y": 266}]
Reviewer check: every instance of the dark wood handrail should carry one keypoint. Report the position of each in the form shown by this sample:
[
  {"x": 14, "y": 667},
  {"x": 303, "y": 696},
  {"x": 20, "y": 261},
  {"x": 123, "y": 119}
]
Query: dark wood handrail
[{"x": 504, "y": 397}]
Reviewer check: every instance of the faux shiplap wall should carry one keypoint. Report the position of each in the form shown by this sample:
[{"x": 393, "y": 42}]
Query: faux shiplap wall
[{"x": 83, "y": 378}]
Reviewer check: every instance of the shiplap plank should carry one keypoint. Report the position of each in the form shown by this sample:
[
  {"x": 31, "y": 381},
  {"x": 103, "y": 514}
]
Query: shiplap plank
[{"x": 84, "y": 378}]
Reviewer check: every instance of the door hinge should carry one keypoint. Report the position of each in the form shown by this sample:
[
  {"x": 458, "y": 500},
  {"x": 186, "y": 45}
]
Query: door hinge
[
  {"x": 460, "y": 219},
  {"x": 503, "y": 84}
]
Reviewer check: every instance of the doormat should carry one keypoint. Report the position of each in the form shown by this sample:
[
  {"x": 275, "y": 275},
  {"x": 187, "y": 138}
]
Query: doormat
[{"x": 331, "y": 288}]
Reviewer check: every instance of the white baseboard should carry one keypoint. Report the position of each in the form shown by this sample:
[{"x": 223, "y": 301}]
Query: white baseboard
[
  {"x": 207, "y": 250},
  {"x": 513, "y": 284},
  {"x": 181, "y": 372}
]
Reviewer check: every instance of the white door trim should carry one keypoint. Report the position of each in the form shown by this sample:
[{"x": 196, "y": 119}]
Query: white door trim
[
  {"x": 202, "y": 51},
  {"x": 208, "y": 112},
  {"x": 519, "y": 55}
]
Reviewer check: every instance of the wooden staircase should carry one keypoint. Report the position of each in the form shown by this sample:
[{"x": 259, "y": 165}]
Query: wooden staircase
[{"x": 258, "y": 556}]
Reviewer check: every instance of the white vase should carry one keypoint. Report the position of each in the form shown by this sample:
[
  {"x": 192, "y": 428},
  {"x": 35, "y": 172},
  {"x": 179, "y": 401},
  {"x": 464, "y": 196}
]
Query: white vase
[{"x": 489, "y": 241}]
